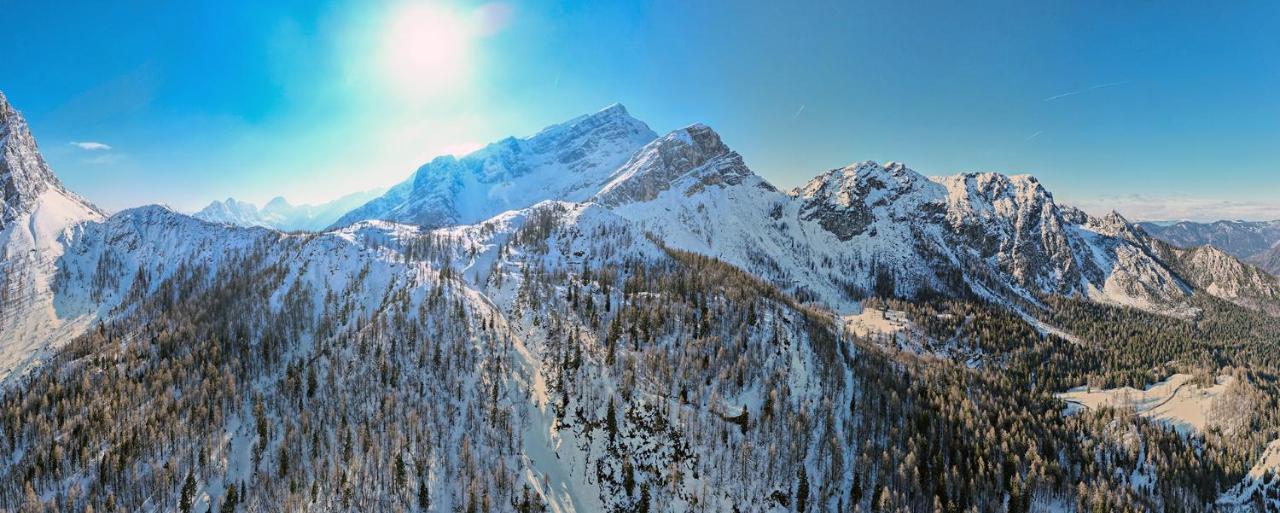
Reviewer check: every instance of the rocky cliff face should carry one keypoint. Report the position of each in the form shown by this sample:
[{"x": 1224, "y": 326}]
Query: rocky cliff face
[
  {"x": 999, "y": 234},
  {"x": 663, "y": 163},
  {"x": 24, "y": 175},
  {"x": 847, "y": 201}
]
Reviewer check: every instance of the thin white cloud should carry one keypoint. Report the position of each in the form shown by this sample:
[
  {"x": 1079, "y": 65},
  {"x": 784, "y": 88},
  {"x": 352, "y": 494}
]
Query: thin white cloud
[
  {"x": 798, "y": 111},
  {"x": 1085, "y": 90},
  {"x": 1035, "y": 135},
  {"x": 90, "y": 145},
  {"x": 1141, "y": 207}
]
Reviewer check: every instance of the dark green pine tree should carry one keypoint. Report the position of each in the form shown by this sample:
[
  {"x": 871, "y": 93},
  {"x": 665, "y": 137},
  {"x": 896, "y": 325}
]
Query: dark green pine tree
[
  {"x": 855, "y": 494},
  {"x": 802, "y": 491},
  {"x": 401, "y": 473},
  {"x": 230, "y": 499},
  {"x": 284, "y": 461},
  {"x": 611, "y": 423},
  {"x": 188, "y": 493},
  {"x": 642, "y": 506},
  {"x": 424, "y": 495}
]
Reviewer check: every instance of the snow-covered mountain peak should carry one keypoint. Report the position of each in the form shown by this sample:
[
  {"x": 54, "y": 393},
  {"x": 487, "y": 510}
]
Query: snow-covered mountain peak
[
  {"x": 862, "y": 182},
  {"x": 277, "y": 204},
  {"x": 991, "y": 188},
  {"x": 847, "y": 200},
  {"x": 230, "y": 211},
  {"x": 578, "y": 142},
  {"x": 150, "y": 210},
  {"x": 567, "y": 161},
  {"x": 1115, "y": 225},
  {"x": 614, "y": 114}
]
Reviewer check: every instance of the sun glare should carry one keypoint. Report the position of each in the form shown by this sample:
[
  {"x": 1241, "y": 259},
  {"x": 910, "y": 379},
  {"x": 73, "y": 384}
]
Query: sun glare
[{"x": 427, "y": 50}]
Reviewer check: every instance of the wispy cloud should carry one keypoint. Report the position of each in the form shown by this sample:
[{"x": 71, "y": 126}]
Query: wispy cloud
[
  {"x": 1085, "y": 90},
  {"x": 1035, "y": 135},
  {"x": 1141, "y": 207},
  {"x": 90, "y": 145},
  {"x": 798, "y": 111}
]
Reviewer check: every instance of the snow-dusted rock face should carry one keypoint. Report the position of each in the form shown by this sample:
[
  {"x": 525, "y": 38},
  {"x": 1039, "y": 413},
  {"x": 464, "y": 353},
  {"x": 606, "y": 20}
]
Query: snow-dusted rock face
[
  {"x": 24, "y": 175},
  {"x": 282, "y": 215},
  {"x": 1226, "y": 277},
  {"x": 847, "y": 201},
  {"x": 696, "y": 149},
  {"x": 1002, "y": 234},
  {"x": 569, "y": 161},
  {"x": 1013, "y": 221}
]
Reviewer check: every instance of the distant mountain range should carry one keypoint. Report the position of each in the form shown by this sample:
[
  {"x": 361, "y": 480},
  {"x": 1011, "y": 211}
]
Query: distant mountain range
[
  {"x": 1257, "y": 242},
  {"x": 281, "y": 215}
]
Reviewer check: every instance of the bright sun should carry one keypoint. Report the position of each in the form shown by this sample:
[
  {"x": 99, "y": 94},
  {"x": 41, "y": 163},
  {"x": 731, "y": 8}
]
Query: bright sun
[{"x": 427, "y": 50}]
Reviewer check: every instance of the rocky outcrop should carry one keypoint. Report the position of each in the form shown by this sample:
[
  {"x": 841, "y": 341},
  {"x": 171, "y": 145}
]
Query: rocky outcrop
[{"x": 695, "y": 150}]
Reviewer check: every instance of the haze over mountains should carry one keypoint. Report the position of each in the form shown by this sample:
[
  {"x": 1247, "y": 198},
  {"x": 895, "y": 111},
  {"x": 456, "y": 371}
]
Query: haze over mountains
[
  {"x": 282, "y": 215},
  {"x": 601, "y": 318}
]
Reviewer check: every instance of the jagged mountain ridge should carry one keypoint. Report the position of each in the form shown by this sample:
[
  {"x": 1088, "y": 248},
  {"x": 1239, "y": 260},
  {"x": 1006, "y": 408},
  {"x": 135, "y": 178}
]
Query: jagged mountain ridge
[
  {"x": 279, "y": 214},
  {"x": 985, "y": 233},
  {"x": 850, "y": 230}
]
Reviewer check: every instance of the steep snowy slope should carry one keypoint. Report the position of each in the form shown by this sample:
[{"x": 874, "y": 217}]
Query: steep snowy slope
[
  {"x": 36, "y": 213},
  {"x": 568, "y": 162}
]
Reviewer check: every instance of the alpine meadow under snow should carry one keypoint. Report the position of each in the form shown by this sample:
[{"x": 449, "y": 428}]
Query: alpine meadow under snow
[{"x": 598, "y": 317}]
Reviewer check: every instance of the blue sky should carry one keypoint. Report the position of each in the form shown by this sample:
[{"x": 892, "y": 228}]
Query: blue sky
[{"x": 1159, "y": 109}]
